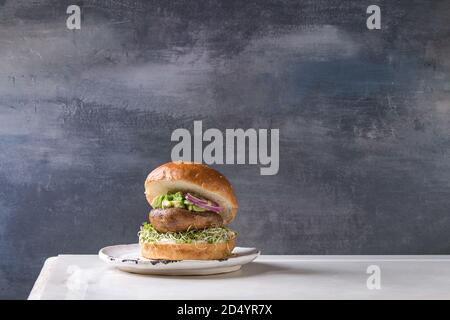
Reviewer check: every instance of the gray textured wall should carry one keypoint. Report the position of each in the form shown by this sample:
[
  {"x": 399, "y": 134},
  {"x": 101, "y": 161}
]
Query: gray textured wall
[{"x": 364, "y": 119}]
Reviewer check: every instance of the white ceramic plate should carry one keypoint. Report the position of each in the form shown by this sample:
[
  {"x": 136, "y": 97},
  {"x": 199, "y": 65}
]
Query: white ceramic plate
[{"x": 126, "y": 257}]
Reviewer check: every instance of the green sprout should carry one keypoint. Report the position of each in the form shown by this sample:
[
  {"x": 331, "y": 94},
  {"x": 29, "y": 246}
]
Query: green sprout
[{"x": 149, "y": 234}]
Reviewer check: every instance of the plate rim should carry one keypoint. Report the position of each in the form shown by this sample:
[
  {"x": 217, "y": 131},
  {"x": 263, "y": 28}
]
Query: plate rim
[{"x": 114, "y": 260}]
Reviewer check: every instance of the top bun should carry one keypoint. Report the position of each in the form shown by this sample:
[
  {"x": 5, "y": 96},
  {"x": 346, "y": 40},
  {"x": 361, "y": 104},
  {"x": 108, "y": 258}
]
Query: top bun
[{"x": 196, "y": 178}]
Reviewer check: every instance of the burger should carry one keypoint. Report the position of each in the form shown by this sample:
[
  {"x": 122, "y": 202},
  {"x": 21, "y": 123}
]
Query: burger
[{"x": 192, "y": 204}]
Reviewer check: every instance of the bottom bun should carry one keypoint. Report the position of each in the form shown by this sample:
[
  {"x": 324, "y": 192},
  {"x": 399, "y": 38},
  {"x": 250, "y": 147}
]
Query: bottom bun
[{"x": 187, "y": 251}]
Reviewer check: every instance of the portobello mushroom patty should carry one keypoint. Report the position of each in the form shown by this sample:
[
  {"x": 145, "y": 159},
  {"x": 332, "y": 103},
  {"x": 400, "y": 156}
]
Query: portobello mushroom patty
[{"x": 179, "y": 220}]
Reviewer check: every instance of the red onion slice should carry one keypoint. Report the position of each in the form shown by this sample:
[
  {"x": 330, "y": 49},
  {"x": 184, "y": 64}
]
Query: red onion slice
[
  {"x": 203, "y": 203},
  {"x": 194, "y": 198}
]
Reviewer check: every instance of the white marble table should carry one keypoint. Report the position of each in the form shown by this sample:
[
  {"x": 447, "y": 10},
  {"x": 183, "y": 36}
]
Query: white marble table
[{"x": 268, "y": 277}]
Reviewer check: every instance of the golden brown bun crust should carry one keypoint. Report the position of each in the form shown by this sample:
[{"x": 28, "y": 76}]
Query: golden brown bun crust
[
  {"x": 185, "y": 251},
  {"x": 194, "y": 177}
]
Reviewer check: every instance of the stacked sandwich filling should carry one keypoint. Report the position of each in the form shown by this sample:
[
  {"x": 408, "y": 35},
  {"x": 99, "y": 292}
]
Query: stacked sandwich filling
[{"x": 181, "y": 217}]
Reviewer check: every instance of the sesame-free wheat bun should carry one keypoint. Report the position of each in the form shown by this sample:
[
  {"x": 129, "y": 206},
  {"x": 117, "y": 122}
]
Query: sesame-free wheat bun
[
  {"x": 187, "y": 251},
  {"x": 196, "y": 178}
]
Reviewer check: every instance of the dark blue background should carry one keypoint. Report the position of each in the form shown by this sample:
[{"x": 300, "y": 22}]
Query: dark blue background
[{"x": 363, "y": 118}]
